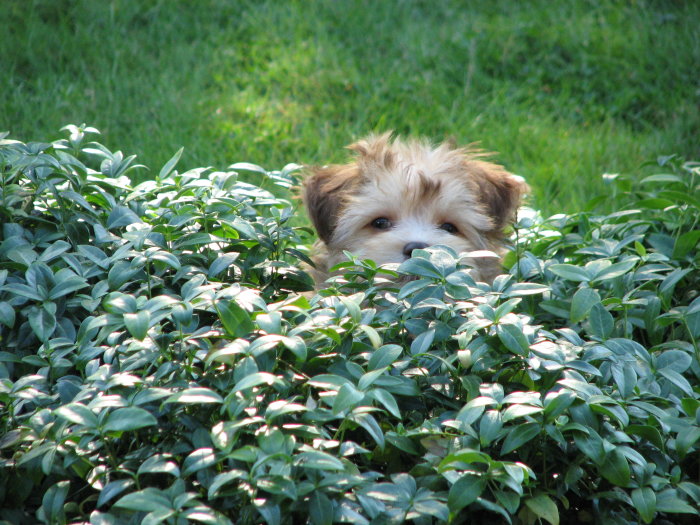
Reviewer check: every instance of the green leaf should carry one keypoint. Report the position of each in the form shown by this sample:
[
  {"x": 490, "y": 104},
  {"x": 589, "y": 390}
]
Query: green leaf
[
  {"x": 668, "y": 501},
  {"x": 387, "y": 400},
  {"x": 518, "y": 410},
  {"x": 369, "y": 378},
  {"x": 374, "y": 338},
  {"x": 270, "y": 322},
  {"x": 248, "y": 167},
  {"x": 43, "y": 323},
  {"x": 466, "y": 455},
  {"x": 297, "y": 346},
  {"x": 167, "y": 258},
  {"x": 426, "y": 504},
  {"x": 616, "y": 270},
  {"x": 654, "y": 203},
  {"x": 601, "y": 322},
  {"x": 245, "y": 228},
  {"x": 556, "y": 402},
  {"x": 319, "y": 460},
  {"x": 520, "y": 435},
  {"x": 513, "y": 338},
  {"x": 128, "y": 418},
  {"x": 234, "y": 318},
  {"x": 257, "y": 379},
  {"x": 583, "y": 300},
  {"x": 23, "y": 255},
  {"x": 157, "y": 464},
  {"x": 686, "y": 439},
  {"x": 685, "y": 244},
  {"x": 570, "y": 272},
  {"x": 78, "y": 414},
  {"x": 138, "y": 324},
  {"x": 195, "y": 396},
  {"x": 411, "y": 287},
  {"x": 197, "y": 460},
  {"x": 147, "y": 500},
  {"x": 465, "y": 491},
  {"x": 64, "y": 286},
  {"x": 421, "y": 344},
  {"x": 681, "y": 196},
  {"x": 647, "y": 432},
  {"x": 677, "y": 379},
  {"x": 591, "y": 445},
  {"x": 616, "y": 469},
  {"x": 121, "y": 216},
  {"x": 505, "y": 308},
  {"x": 348, "y": 397},
  {"x": 490, "y": 427},
  {"x": 644, "y": 500},
  {"x": 53, "y": 501},
  {"x": 370, "y": 424},
  {"x": 320, "y": 509},
  {"x": 221, "y": 264},
  {"x": 523, "y": 289},
  {"x": 544, "y": 508},
  {"x": 113, "y": 489},
  {"x": 625, "y": 378},
  {"x": 353, "y": 308},
  {"x": 661, "y": 177},
  {"x": 167, "y": 169},
  {"x": 282, "y": 407},
  {"x": 384, "y": 356},
  {"x": 421, "y": 267},
  {"x": 119, "y": 303},
  {"x": 7, "y": 314},
  {"x": 402, "y": 443},
  {"x": 54, "y": 250},
  {"x": 672, "y": 279},
  {"x": 223, "y": 479},
  {"x": 677, "y": 360}
]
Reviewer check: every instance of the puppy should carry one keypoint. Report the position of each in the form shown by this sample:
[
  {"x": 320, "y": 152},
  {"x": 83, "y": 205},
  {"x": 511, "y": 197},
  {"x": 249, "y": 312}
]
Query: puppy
[{"x": 396, "y": 196}]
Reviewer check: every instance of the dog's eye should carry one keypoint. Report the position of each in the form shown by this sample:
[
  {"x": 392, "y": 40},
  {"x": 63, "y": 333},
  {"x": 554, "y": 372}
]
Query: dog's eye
[
  {"x": 449, "y": 227},
  {"x": 381, "y": 223}
]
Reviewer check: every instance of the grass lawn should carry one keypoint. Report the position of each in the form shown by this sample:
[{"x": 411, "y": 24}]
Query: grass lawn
[{"x": 563, "y": 91}]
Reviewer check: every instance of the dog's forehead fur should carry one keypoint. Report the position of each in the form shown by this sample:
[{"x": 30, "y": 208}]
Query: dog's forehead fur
[{"x": 413, "y": 179}]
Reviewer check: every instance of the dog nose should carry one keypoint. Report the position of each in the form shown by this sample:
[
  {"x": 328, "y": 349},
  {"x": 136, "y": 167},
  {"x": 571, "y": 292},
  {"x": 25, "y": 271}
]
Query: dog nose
[{"x": 409, "y": 247}]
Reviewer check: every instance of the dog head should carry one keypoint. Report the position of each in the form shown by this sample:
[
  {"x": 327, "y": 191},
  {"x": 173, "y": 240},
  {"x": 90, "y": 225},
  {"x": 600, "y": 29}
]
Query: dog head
[{"x": 396, "y": 196}]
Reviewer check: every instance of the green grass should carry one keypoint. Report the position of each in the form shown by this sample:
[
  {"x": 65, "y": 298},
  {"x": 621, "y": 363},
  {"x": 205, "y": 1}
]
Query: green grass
[{"x": 562, "y": 91}]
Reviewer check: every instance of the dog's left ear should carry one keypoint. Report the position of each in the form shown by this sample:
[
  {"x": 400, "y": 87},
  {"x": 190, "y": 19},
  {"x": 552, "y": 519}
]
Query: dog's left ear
[{"x": 500, "y": 192}]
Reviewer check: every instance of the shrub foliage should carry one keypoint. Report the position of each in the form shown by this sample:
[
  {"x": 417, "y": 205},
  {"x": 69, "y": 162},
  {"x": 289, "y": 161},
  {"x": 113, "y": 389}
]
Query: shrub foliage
[{"x": 159, "y": 366}]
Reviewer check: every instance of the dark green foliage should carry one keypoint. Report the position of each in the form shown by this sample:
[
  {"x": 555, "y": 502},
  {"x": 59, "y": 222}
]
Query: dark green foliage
[{"x": 158, "y": 366}]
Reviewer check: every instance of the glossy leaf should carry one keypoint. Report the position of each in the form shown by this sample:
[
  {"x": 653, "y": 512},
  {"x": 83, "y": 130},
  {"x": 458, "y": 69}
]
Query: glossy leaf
[
  {"x": 128, "y": 418},
  {"x": 644, "y": 500},
  {"x": 544, "y": 508},
  {"x": 582, "y": 302},
  {"x": 465, "y": 491}
]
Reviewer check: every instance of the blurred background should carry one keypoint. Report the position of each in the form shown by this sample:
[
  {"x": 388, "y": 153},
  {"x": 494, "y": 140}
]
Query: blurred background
[{"x": 562, "y": 91}]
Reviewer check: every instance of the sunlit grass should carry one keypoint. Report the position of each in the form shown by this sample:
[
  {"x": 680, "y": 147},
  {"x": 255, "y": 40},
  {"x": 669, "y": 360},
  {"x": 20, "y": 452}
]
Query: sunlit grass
[{"x": 562, "y": 91}]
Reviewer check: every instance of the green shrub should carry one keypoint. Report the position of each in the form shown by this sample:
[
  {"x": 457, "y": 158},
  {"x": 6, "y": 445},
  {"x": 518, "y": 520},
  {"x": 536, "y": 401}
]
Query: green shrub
[{"x": 158, "y": 365}]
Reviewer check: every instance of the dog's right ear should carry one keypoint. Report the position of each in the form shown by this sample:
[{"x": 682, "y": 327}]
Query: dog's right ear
[{"x": 324, "y": 194}]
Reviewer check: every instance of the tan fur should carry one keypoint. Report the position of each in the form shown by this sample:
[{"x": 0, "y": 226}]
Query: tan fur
[{"x": 417, "y": 187}]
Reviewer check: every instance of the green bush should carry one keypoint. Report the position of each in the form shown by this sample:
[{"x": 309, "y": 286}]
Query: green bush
[{"x": 159, "y": 366}]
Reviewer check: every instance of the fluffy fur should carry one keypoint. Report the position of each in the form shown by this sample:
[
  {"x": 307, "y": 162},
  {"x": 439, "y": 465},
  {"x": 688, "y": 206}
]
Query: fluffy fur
[{"x": 397, "y": 195}]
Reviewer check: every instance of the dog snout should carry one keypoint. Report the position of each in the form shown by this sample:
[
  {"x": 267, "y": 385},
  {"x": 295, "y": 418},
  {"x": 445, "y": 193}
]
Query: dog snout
[{"x": 409, "y": 247}]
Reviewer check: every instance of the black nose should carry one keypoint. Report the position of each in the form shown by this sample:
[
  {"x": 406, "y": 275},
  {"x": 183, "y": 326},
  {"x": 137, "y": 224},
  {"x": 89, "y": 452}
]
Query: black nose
[{"x": 409, "y": 247}]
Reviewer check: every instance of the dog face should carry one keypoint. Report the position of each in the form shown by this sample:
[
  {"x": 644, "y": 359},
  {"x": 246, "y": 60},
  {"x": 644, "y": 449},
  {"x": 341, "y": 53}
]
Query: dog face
[{"x": 398, "y": 196}]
